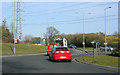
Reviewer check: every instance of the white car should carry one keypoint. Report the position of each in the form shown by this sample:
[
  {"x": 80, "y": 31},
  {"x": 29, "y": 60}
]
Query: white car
[{"x": 109, "y": 48}]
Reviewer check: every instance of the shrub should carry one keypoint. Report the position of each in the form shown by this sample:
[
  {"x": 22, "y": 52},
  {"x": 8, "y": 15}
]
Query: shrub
[
  {"x": 113, "y": 44},
  {"x": 116, "y": 52}
]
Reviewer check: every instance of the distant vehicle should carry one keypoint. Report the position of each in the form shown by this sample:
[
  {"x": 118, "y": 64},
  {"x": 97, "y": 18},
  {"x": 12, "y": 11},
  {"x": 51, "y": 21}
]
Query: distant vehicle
[
  {"x": 16, "y": 40},
  {"x": 50, "y": 47},
  {"x": 60, "y": 53},
  {"x": 72, "y": 46},
  {"x": 109, "y": 48}
]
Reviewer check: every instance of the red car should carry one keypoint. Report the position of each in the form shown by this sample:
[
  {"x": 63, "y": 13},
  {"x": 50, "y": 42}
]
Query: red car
[
  {"x": 50, "y": 47},
  {"x": 60, "y": 53}
]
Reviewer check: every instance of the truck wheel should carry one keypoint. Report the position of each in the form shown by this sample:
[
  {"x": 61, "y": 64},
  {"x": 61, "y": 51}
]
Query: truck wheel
[{"x": 49, "y": 58}]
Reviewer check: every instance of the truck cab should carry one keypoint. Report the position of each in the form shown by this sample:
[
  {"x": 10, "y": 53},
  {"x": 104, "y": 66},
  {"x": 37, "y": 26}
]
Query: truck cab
[{"x": 50, "y": 47}]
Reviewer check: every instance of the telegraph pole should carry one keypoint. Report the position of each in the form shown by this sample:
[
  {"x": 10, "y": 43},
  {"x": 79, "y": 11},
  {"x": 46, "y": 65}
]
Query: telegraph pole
[{"x": 14, "y": 27}]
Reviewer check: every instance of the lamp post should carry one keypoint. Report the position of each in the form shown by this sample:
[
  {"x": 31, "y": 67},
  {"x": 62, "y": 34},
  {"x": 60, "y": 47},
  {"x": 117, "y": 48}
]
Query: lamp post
[
  {"x": 105, "y": 28},
  {"x": 83, "y": 32},
  {"x": 83, "y": 29},
  {"x": 93, "y": 43}
]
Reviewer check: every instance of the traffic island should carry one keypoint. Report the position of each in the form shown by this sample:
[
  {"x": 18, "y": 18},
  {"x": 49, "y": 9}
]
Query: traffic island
[{"x": 102, "y": 61}]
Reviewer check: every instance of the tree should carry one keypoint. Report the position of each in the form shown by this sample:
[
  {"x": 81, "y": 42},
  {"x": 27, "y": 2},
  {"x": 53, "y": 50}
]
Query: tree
[
  {"x": 6, "y": 35},
  {"x": 77, "y": 39},
  {"x": 36, "y": 39},
  {"x": 112, "y": 39},
  {"x": 51, "y": 34},
  {"x": 28, "y": 38},
  {"x": 115, "y": 34}
]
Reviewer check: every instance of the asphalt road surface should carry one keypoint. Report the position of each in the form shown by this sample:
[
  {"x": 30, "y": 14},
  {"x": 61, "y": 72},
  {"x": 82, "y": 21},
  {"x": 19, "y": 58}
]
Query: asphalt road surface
[{"x": 41, "y": 64}]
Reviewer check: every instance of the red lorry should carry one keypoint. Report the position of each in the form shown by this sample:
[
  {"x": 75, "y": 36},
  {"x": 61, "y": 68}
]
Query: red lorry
[{"x": 50, "y": 47}]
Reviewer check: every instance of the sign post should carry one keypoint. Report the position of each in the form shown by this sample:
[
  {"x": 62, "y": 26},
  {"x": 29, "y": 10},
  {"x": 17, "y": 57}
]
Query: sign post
[
  {"x": 105, "y": 47},
  {"x": 93, "y": 43}
]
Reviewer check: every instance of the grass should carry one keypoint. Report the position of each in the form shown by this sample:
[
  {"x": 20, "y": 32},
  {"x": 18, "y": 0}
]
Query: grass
[
  {"x": 101, "y": 60},
  {"x": 7, "y": 49}
]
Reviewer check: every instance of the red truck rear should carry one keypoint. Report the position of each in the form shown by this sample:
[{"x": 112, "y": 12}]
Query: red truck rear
[{"x": 50, "y": 47}]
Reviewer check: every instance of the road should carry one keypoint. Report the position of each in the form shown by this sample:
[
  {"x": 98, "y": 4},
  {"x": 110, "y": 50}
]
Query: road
[{"x": 41, "y": 64}]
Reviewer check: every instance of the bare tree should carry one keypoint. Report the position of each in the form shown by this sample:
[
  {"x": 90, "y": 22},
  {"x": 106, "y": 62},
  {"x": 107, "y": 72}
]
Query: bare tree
[
  {"x": 28, "y": 38},
  {"x": 115, "y": 33},
  {"x": 51, "y": 34}
]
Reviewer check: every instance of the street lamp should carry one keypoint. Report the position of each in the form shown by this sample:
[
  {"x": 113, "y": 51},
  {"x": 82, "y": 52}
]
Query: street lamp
[
  {"x": 83, "y": 32},
  {"x": 83, "y": 29},
  {"x": 105, "y": 28}
]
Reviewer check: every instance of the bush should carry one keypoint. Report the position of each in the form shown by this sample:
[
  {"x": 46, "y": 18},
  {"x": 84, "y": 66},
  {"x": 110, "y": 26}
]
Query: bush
[
  {"x": 116, "y": 52},
  {"x": 77, "y": 39},
  {"x": 113, "y": 44}
]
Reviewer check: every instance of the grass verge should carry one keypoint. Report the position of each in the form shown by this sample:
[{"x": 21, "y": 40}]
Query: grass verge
[
  {"x": 87, "y": 48},
  {"x": 8, "y": 49},
  {"x": 107, "y": 60}
]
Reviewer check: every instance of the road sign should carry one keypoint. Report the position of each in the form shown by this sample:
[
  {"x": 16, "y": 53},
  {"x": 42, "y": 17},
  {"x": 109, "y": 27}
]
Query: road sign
[
  {"x": 98, "y": 43},
  {"x": 93, "y": 42},
  {"x": 105, "y": 43}
]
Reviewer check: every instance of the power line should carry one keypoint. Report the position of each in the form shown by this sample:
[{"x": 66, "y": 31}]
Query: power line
[
  {"x": 86, "y": 18},
  {"x": 98, "y": 17},
  {"x": 72, "y": 22},
  {"x": 62, "y": 7},
  {"x": 74, "y": 9},
  {"x": 97, "y": 20},
  {"x": 89, "y": 21}
]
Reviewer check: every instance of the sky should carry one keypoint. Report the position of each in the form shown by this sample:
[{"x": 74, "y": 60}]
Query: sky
[{"x": 66, "y": 17}]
